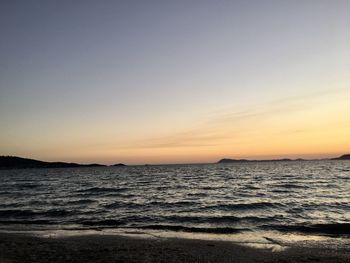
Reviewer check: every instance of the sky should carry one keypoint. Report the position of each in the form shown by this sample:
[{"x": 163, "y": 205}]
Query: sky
[{"x": 174, "y": 81}]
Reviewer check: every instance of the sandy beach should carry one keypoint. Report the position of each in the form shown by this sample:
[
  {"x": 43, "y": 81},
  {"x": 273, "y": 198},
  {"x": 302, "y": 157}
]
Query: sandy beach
[{"x": 118, "y": 249}]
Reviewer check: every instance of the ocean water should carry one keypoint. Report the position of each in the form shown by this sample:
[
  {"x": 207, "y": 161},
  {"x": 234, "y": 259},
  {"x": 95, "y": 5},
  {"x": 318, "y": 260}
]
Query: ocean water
[{"x": 308, "y": 197}]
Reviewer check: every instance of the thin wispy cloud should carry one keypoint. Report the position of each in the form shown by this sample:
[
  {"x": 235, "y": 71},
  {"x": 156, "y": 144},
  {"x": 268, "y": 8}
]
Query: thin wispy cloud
[{"x": 219, "y": 127}]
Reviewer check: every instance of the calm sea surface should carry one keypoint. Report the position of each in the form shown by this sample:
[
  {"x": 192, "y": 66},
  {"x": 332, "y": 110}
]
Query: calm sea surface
[{"x": 302, "y": 197}]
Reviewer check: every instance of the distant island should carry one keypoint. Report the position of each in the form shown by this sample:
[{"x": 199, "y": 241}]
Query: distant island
[
  {"x": 227, "y": 160},
  {"x": 343, "y": 157},
  {"x": 13, "y": 162}
]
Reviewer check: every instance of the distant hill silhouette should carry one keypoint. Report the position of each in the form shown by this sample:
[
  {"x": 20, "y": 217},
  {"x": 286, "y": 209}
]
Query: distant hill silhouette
[
  {"x": 343, "y": 157},
  {"x": 119, "y": 164},
  {"x": 13, "y": 162},
  {"x": 226, "y": 160}
]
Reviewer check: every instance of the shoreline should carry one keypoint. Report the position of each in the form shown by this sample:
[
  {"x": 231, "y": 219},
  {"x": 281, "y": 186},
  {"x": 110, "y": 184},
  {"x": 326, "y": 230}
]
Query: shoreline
[{"x": 97, "y": 246}]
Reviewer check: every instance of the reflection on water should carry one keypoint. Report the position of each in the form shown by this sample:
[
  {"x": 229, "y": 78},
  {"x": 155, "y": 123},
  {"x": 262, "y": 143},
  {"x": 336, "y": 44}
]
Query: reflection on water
[{"x": 310, "y": 197}]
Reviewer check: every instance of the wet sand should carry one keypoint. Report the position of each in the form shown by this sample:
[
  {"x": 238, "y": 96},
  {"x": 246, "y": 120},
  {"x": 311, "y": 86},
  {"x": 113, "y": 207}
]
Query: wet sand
[{"x": 115, "y": 248}]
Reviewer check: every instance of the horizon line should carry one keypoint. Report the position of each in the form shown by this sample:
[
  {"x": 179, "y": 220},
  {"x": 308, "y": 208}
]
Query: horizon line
[{"x": 184, "y": 163}]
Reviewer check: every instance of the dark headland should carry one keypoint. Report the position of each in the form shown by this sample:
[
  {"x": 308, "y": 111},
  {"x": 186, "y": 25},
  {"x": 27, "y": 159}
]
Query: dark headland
[
  {"x": 343, "y": 157},
  {"x": 13, "y": 162}
]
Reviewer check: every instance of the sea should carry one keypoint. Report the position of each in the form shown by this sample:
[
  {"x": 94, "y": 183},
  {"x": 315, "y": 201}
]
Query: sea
[{"x": 291, "y": 197}]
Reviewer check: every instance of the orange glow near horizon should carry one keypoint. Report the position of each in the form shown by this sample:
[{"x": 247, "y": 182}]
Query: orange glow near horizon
[{"x": 296, "y": 128}]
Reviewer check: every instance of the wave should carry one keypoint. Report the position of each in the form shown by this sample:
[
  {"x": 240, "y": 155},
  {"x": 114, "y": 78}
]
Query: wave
[
  {"x": 173, "y": 204},
  {"x": 102, "y": 190},
  {"x": 128, "y": 205},
  {"x": 117, "y": 205},
  {"x": 280, "y": 191},
  {"x": 247, "y": 206},
  {"x": 253, "y": 187},
  {"x": 26, "y": 222},
  {"x": 11, "y": 205},
  {"x": 8, "y": 193},
  {"x": 214, "y": 219},
  {"x": 291, "y": 185},
  {"x": 176, "y": 228},
  {"x": 81, "y": 202},
  {"x": 329, "y": 229},
  {"x": 200, "y": 194},
  {"x": 17, "y": 213},
  {"x": 184, "y": 221},
  {"x": 27, "y": 186},
  {"x": 106, "y": 222}
]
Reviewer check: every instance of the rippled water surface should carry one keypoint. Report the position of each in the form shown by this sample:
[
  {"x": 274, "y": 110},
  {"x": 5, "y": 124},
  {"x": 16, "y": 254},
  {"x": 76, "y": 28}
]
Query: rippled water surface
[{"x": 305, "y": 196}]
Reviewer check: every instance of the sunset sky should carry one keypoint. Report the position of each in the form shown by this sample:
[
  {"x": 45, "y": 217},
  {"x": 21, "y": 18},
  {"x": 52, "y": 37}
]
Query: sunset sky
[{"x": 174, "y": 81}]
